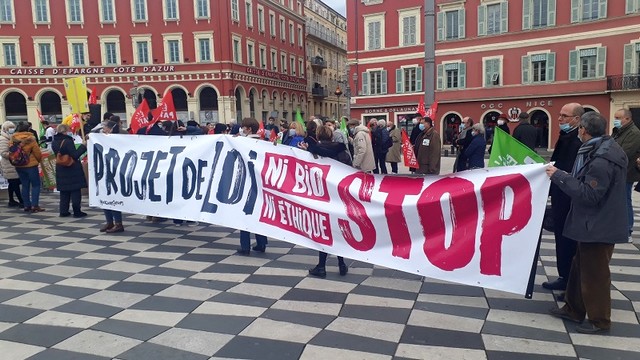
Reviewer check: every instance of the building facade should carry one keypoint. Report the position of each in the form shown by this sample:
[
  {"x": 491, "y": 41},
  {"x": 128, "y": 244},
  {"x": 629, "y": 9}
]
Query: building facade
[
  {"x": 326, "y": 47},
  {"x": 220, "y": 59},
  {"x": 498, "y": 57}
]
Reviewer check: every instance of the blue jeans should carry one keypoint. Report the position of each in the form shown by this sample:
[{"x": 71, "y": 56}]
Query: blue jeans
[
  {"x": 245, "y": 240},
  {"x": 113, "y": 216},
  {"x": 30, "y": 180},
  {"x": 630, "y": 207}
]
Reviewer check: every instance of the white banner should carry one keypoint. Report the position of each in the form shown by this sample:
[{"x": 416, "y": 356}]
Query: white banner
[
  {"x": 4, "y": 183},
  {"x": 477, "y": 227}
]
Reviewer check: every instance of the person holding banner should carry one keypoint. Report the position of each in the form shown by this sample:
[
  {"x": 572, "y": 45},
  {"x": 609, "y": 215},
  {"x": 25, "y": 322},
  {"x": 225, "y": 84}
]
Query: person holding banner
[
  {"x": 69, "y": 179},
  {"x": 6, "y": 168},
  {"x": 428, "y": 146},
  {"x": 596, "y": 221},
  {"x": 113, "y": 217}
]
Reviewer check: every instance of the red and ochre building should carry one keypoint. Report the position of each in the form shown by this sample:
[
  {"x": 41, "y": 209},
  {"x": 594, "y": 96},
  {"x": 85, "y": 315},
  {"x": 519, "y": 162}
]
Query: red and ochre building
[
  {"x": 221, "y": 59},
  {"x": 495, "y": 57}
]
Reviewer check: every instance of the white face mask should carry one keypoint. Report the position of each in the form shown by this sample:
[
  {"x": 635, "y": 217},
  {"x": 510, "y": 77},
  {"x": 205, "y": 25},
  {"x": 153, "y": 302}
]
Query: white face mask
[
  {"x": 500, "y": 122},
  {"x": 414, "y": 121},
  {"x": 11, "y": 131}
]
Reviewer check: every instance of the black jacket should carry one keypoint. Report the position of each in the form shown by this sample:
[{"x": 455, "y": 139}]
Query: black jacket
[
  {"x": 564, "y": 155},
  {"x": 69, "y": 178},
  {"x": 526, "y": 134}
]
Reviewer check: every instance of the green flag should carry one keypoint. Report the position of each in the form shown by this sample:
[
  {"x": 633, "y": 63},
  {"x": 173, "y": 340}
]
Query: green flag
[
  {"x": 300, "y": 119},
  {"x": 507, "y": 151},
  {"x": 343, "y": 126}
]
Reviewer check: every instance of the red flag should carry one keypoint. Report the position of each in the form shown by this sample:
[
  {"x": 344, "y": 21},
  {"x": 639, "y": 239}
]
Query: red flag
[
  {"x": 407, "y": 151},
  {"x": 75, "y": 123},
  {"x": 140, "y": 116},
  {"x": 261, "y": 131},
  {"x": 40, "y": 117},
  {"x": 431, "y": 113},
  {"x": 164, "y": 112},
  {"x": 274, "y": 136},
  {"x": 93, "y": 98},
  {"x": 421, "y": 109}
]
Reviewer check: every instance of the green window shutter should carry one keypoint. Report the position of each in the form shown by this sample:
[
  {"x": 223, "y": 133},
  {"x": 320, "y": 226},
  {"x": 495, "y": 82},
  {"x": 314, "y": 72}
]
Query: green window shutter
[
  {"x": 526, "y": 60},
  {"x": 461, "y": 27},
  {"x": 551, "y": 67},
  {"x": 383, "y": 82},
  {"x": 365, "y": 83},
  {"x": 441, "y": 17},
  {"x": 575, "y": 11},
  {"x": 462, "y": 75},
  {"x": 628, "y": 58},
  {"x": 551, "y": 15},
  {"x": 526, "y": 14},
  {"x": 504, "y": 14},
  {"x": 488, "y": 70},
  {"x": 482, "y": 20},
  {"x": 440, "y": 82},
  {"x": 573, "y": 65},
  {"x": 399, "y": 82},
  {"x": 601, "y": 62},
  {"x": 602, "y": 9},
  {"x": 419, "y": 78}
]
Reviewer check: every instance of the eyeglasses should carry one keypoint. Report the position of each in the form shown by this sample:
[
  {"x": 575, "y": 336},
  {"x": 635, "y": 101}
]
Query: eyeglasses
[{"x": 566, "y": 116}]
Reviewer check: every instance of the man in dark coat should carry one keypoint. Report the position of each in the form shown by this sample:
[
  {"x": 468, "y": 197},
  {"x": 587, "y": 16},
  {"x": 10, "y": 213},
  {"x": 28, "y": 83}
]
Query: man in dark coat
[
  {"x": 379, "y": 141},
  {"x": 462, "y": 142},
  {"x": 596, "y": 221},
  {"x": 627, "y": 135},
  {"x": 525, "y": 132},
  {"x": 564, "y": 155},
  {"x": 69, "y": 179}
]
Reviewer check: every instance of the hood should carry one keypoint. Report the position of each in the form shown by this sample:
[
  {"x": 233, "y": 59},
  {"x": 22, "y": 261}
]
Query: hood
[
  {"x": 361, "y": 128},
  {"x": 24, "y": 137},
  {"x": 611, "y": 151}
]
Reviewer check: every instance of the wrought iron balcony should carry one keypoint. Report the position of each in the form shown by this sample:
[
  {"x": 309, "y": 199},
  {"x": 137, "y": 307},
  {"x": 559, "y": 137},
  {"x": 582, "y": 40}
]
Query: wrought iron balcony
[
  {"x": 623, "y": 82},
  {"x": 319, "y": 92},
  {"x": 318, "y": 62},
  {"x": 328, "y": 38}
]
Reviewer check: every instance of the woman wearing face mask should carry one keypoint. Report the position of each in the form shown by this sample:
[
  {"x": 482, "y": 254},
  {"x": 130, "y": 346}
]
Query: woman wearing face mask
[
  {"x": 502, "y": 123},
  {"x": 473, "y": 156},
  {"x": 69, "y": 179},
  {"x": 296, "y": 134},
  {"x": 9, "y": 171}
]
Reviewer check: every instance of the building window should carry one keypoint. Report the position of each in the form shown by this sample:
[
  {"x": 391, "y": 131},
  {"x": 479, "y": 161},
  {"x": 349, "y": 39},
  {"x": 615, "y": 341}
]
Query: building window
[
  {"x": 202, "y": 9},
  {"x": 632, "y": 6},
  {"x": 585, "y": 10},
  {"x": 110, "y": 53},
  {"x": 260, "y": 18},
  {"x": 263, "y": 57},
  {"x": 283, "y": 62},
  {"x": 451, "y": 75},
  {"x": 492, "y": 70},
  {"x": 587, "y": 63},
  {"x": 292, "y": 35},
  {"x": 45, "y": 56},
  {"x": 301, "y": 67},
  {"x": 374, "y": 35},
  {"x": 249, "y": 13},
  {"x": 143, "y": 55},
  {"x": 632, "y": 58},
  {"x": 204, "y": 45},
  {"x": 6, "y": 11},
  {"x": 107, "y": 13},
  {"x": 251, "y": 53},
  {"x": 292, "y": 65},
  {"x": 538, "y": 14},
  {"x": 409, "y": 79},
  {"x": 237, "y": 52},
  {"x": 374, "y": 82},
  {"x": 41, "y": 11},
  {"x": 171, "y": 10},
  {"x": 140, "y": 10},
  {"x": 300, "y": 36},
  {"x": 74, "y": 11},
  {"x": 9, "y": 54},
  {"x": 272, "y": 24},
  {"x": 78, "y": 54},
  {"x": 409, "y": 30},
  {"x": 283, "y": 35},
  {"x": 451, "y": 25},
  {"x": 235, "y": 10},
  {"x": 538, "y": 68},
  {"x": 274, "y": 60},
  {"x": 173, "y": 47},
  {"x": 493, "y": 18}
]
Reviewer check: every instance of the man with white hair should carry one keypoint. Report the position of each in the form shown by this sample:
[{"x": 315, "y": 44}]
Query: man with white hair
[{"x": 381, "y": 143}]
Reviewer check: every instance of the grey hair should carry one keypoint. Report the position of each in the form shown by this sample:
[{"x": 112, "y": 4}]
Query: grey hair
[
  {"x": 382, "y": 123},
  {"x": 479, "y": 127},
  {"x": 8, "y": 125},
  {"x": 626, "y": 113},
  {"x": 62, "y": 128},
  {"x": 593, "y": 123}
]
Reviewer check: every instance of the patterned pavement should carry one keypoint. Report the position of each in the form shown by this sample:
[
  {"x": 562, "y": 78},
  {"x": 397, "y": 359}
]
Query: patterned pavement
[{"x": 159, "y": 291}]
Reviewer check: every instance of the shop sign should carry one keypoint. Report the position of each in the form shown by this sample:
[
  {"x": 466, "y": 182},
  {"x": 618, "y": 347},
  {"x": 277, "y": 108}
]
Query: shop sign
[
  {"x": 534, "y": 103},
  {"x": 93, "y": 70},
  {"x": 390, "y": 110},
  {"x": 275, "y": 75}
]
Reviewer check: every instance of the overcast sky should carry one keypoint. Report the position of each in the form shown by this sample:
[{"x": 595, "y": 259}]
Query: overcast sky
[{"x": 338, "y": 5}]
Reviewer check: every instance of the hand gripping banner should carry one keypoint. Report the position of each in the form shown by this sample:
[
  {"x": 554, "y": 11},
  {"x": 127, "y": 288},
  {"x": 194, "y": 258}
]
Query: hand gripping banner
[{"x": 475, "y": 227}]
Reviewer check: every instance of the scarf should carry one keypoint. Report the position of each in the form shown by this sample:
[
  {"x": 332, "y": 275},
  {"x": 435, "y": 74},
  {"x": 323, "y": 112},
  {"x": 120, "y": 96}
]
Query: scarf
[{"x": 583, "y": 153}]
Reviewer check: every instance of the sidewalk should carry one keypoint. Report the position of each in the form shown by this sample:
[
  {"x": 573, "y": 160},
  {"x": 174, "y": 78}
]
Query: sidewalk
[{"x": 163, "y": 292}]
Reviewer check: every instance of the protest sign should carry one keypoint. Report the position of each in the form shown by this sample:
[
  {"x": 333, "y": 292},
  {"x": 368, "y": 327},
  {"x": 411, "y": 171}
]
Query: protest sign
[
  {"x": 477, "y": 227},
  {"x": 507, "y": 151},
  {"x": 76, "y": 91}
]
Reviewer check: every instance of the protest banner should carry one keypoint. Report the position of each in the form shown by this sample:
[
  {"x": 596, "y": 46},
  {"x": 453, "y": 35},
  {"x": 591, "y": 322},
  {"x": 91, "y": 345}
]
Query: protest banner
[
  {"x": 48, "y": 170},
  {"x": 478, "y": 227},
  {"x": 507, "y": 151}
]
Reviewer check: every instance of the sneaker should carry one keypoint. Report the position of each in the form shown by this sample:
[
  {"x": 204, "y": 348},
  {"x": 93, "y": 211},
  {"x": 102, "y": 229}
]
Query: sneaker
[
  {"x": 318, "y": 272},
  {"x": 81, "y": 214}
]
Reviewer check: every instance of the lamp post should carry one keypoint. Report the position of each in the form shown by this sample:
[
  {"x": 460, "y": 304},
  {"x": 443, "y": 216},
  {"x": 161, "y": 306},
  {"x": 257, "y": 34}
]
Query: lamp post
[
  {"x": 355, "y": 83},
  {"x": 338, "y": 93},
  {"x": 136, "y": 93}
]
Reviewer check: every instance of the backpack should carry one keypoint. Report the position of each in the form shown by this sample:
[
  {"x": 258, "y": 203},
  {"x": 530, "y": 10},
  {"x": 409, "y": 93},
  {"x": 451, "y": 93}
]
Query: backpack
[{"x": 17, "y": 156}]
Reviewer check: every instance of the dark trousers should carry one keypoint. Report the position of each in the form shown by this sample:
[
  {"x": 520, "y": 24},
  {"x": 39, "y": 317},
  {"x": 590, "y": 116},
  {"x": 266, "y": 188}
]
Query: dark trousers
[
  {"x": 565, "y": 247},
  {"x": 589, "y": 285},
  {"x": 322, "y": 259},
  {"x": 381, "y": 163},
  {"x": 14, "y": 189},
  {"x": 74, "y": 197},
  {"x": 630, "y": 207},
  {"x": 245, "y": 240},
  {"x": 394, "y": 167},
  {"x": 113, "y": 216}
]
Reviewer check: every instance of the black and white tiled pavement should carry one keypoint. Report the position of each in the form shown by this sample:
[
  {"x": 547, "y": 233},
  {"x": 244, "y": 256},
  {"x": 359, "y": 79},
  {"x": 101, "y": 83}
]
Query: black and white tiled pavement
[{"x": 163, "y": 292}]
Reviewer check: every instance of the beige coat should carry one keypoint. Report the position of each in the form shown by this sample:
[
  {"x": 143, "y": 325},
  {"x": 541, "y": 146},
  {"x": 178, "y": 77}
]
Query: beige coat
[
  {"x": 395, "y": 151},
  {"x": 8, "y": 171},
  {"x": 363, "y": 150}
]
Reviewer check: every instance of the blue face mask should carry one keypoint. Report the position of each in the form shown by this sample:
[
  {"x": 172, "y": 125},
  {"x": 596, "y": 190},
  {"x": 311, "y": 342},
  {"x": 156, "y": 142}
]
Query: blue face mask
[
  {"x": 565, "y": 127},
  {"x": 421, "y": 127},
  {"x": 617, "y": 123},
  {"x": 461, "y": 127}
]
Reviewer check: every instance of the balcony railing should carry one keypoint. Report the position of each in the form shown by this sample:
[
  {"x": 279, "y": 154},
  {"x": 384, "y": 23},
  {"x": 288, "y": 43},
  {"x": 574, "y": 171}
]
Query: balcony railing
[
  {"x": 320, "y": 92},
  {"x": 623, "y": 82},
  {"x": 333, "y": 40},
  {"x": 318, "y": 62}
]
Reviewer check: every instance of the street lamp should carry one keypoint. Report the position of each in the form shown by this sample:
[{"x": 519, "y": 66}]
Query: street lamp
[
  {"x": 338, "y": 93},
  {"x": 136, "y": 94}
]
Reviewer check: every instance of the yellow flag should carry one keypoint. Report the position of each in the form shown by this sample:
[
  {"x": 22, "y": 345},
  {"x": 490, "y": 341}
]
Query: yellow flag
[{"x": 76, "y": 89}]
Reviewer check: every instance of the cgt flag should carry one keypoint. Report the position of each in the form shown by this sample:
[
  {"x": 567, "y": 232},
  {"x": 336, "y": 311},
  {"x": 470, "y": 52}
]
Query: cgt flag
[
  {"x": 140, "y": 117},
  {"x": 166, "y": 111},
  {"x": 407, "y": 151},
  {"x": 93, "y": 98},
  {"x": 507, "y": 151},
  {"x": 421, "y": 110},
  {"x": 433, "y": 109}
]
